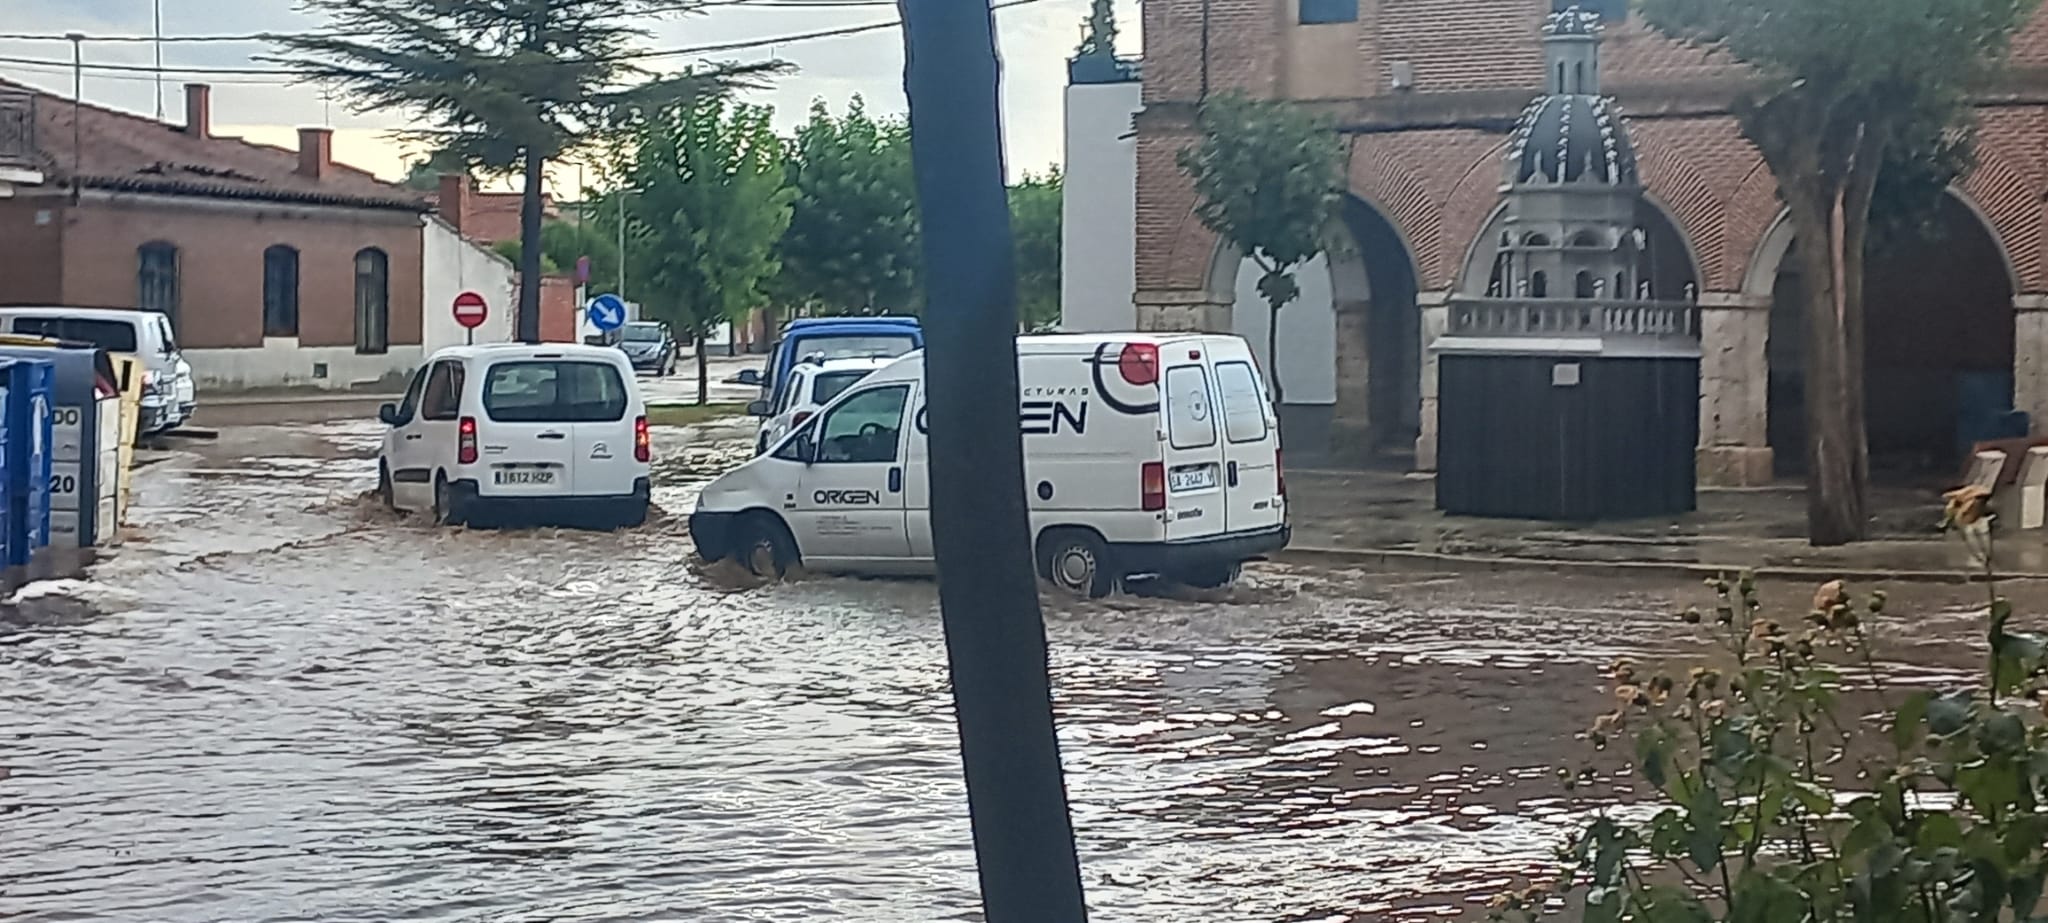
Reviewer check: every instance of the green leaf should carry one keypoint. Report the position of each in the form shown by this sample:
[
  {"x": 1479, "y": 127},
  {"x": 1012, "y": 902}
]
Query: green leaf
[
  {"x": 1864, "y": 836},
  {"x": 1703, "y": 845},
  {"x": 1813, "y": 798},
  {"x": 1939, "y": 831},
  {"x": 1951, "y": 713}
]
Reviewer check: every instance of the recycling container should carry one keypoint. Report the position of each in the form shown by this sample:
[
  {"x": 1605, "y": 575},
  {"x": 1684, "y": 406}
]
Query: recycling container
[{"x": 29, "y": 436}]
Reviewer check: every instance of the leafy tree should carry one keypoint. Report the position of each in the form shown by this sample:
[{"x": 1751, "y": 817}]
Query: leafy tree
[
  {"x": 1268, "y": 176},
  {"x": 501, "y": 85},
  {"x": 563, "y": 243},
  {"x": 1844, "y": 93},
  {"x": 1035, "y": 206},
  {"x": 852, "y": 246},
  {"x": 425, "y": 173},
  {"x": 705, "y": 205}
]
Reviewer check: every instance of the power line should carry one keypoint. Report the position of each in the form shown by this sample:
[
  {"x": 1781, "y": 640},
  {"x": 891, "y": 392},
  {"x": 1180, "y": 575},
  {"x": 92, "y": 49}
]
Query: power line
[{"x": 649, "y": 55}]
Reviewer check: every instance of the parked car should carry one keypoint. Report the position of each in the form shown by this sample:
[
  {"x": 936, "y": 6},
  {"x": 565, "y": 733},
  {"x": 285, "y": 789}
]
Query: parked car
[
  {"x": 812, "y": 384},
  {"x": 519, "y": 429},
  {"x": 832, "y": 338},
  {"x": 650, "y": 347},
  {"x": 1146, "y": 455},
  {"x": 169, "y": 397}
]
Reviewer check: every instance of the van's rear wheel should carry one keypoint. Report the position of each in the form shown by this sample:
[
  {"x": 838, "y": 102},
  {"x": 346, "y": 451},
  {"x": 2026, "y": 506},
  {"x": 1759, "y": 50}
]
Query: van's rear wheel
[
  {"x": 1211, "y": 576},
  {"x": 450, "y": 507},
  {"x": 1076, "y": 561},
  {"x": 762, "y": 545}
]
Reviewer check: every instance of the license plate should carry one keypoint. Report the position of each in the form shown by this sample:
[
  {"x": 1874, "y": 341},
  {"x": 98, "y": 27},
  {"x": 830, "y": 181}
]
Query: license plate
[
  {"x": 1200, "y": 477},
  {"x": 515, "y": 478}
]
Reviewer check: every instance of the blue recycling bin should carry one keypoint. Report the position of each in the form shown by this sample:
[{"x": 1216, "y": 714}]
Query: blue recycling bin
[
  {"x": 7, "y": 537},
  {"x": 29, "y": 438}
]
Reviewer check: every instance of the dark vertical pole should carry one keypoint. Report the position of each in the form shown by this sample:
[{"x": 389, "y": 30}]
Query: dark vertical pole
[
  {"x": 77, "y": 109},
  {"x": 988, "y": 588},
  {"x": 1204, "y": 97}
]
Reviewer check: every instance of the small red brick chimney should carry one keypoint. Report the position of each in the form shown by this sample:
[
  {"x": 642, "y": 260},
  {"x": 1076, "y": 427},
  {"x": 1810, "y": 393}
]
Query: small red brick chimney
[
  {"x": 454, "y": 200},
  {"x": 199, "y": 110},
  {"x": 316, "y": 152}
]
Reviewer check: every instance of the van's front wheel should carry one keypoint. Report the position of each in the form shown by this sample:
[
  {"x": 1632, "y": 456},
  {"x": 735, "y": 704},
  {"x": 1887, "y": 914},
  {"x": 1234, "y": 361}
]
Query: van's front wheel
[
  {"x": 1076, "y": 561},
  {"x": 762, "y": 545}
]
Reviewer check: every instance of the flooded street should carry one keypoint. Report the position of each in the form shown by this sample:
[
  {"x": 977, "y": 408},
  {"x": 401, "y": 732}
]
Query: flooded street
[{"x": 280, "y": 703}]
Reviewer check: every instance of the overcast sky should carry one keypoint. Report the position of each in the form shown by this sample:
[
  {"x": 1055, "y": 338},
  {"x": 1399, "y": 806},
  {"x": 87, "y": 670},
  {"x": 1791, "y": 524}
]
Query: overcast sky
[{"x": 1036, "y": 39}]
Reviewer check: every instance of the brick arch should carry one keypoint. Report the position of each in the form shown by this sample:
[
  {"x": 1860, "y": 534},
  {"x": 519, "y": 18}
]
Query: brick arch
[
  {"x": 1684, "y": 193},
  {"x": 1475, "y": 202},
  {"x": 1402, "y": 199},
  {"x": 1755, "y": 215},
  {"x": 2009, "y": 203},
  {"x": 1193, "y": 250},
  {"x": 1414, "y": 177}
]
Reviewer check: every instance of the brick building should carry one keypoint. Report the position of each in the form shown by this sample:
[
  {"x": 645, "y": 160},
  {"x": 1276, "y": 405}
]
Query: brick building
[
  {"x": 1427, "y": 93},
  {"x": 275, "y": 266}
]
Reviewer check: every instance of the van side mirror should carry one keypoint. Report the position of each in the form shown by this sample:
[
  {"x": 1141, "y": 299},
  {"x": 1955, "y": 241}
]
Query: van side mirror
[
  {"x": 759, "y": 409},
  {"x": 749, "y": 377},
  {"x": 389, "y": 415}
]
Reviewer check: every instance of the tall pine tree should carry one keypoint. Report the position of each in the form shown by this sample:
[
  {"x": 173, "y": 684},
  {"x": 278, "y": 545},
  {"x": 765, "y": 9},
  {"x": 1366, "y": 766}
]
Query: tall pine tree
[{"x": 503, "y": 85}]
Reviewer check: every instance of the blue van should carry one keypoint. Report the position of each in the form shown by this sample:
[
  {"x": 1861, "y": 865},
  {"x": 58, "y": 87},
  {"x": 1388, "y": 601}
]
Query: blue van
[{"x": 833, "y": 338}]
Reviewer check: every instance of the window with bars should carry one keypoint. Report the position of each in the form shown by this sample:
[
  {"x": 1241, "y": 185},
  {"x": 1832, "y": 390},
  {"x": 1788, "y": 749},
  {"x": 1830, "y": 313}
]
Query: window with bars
[
  {"x": 373, "y": 301},
  {"x": 281, "y": 291},
  {"x": 157, "y": 279}
]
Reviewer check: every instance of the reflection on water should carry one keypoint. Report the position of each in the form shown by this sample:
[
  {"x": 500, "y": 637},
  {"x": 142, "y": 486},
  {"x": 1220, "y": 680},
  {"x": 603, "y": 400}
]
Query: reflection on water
[{"x": 283, "y": 704}]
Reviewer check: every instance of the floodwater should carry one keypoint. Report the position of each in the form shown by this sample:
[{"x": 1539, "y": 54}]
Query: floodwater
[{"x": 279, "y": 703}]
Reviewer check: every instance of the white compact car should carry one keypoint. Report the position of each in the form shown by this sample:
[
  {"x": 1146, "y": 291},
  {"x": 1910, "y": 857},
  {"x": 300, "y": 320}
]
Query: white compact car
[
  {"x": 1144, "y": 455},
  {"x": 813, "y": 383},
  {"x": 516, "y": 428}
]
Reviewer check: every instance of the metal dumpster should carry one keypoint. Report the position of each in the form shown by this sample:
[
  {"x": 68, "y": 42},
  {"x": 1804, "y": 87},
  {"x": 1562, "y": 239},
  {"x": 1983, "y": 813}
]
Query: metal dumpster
[
  {"x": 29, "y": 436},
  {"x": 85, "y": 448}
]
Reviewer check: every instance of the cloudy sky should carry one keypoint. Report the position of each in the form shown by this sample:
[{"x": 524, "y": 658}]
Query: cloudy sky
[{"x": 1036, "y": 39}]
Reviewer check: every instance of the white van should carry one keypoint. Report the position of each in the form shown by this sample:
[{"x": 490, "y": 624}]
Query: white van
[
  {"x": 168, "y": 396},
  {"x": 1144, "y": 454},
  {"x": 514, "y": 427}
]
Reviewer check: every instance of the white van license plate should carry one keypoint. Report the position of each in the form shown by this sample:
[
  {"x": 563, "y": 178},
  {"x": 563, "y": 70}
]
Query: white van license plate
[
  {"x": 515, "y": 478},
  {"x": 1201, "y": 477}
]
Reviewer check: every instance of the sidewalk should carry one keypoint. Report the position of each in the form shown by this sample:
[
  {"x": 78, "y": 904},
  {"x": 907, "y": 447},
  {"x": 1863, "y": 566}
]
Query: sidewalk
[{"x": 1389, "y": 518}]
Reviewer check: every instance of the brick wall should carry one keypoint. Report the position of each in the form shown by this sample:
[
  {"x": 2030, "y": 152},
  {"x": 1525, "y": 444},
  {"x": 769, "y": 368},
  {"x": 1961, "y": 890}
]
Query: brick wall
[
  {"x": 220, "y": 248},
  {"x": 31, "y": 247}
]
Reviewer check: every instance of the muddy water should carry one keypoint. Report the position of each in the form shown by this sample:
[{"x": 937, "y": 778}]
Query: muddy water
[{"x": 281, "y": 704}]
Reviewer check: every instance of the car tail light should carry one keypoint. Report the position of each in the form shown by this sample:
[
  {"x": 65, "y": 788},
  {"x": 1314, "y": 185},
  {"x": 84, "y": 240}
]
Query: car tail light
[
  {"x": 1139, "y": 364},
  {"x": 643, "y": 440},
  {"x": 1280, "y": 472},
  {"x": 1152, "y": 485},
  {"x": 465, "y": 441}
]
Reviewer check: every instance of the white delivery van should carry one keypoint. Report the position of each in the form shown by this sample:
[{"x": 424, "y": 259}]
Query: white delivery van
[
  {"x": 515, "y": 427},
  {"x": 1144, "y": 454}
]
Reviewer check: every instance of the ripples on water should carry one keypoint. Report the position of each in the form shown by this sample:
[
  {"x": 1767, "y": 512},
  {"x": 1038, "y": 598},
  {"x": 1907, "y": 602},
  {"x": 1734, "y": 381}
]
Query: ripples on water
[{"x": 291, "y": 707}]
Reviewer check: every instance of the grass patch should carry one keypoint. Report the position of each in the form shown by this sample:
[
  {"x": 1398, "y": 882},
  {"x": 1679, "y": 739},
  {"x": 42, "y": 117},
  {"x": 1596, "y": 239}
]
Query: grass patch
[{"x": 692, "y": 414}]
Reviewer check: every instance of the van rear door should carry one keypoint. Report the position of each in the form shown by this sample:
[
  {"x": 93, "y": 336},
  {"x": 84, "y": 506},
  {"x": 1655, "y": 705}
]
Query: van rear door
[
  {"x": 528, "y": 441},
  {"x": 1193, "y": 455},
  {"x": 1251, "y": 457}
]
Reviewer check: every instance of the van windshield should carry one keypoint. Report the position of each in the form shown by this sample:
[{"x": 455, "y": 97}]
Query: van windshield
[
  {"x": 111, "y": 335},
  {"x": 879, "y": 346},
  {"x": 554, "y": 391},
  {"x": 829, "y": 384}
]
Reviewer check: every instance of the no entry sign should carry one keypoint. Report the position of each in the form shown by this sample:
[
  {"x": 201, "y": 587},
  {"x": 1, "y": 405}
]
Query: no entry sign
[{"x": 471, "y": 310}]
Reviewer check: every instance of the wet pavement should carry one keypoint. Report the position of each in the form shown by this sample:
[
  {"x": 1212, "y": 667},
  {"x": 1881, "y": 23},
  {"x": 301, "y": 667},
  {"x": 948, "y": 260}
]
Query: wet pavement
[{"x": 281, "y": 703}]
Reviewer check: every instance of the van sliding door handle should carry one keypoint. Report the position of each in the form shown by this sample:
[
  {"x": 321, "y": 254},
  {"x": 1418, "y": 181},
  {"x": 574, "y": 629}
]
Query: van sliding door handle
[
  {"x": 1231, "y": 470},
  {"x": 554, "y": 436}
]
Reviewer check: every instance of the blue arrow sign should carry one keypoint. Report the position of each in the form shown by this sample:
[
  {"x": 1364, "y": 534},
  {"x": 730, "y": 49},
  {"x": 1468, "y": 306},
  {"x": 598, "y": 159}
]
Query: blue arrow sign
[{"x": 606, "y": 313}]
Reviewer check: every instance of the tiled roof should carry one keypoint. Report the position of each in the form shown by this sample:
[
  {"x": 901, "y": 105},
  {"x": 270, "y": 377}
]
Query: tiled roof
[{"x": 132, "y": 153}]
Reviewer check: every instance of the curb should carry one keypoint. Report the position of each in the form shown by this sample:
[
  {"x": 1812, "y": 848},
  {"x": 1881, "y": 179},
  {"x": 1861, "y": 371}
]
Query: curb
[
  {"x": 1417, "y": 560},
  {"x": 281, "y": 400}
]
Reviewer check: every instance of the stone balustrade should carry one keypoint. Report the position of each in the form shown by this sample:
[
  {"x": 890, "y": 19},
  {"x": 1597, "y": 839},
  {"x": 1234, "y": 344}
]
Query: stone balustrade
[{"x": 1558, "y": 317}]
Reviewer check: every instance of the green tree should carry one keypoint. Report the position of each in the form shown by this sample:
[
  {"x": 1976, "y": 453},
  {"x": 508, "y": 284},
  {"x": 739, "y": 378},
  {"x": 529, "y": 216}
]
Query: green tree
[
  {"x": 705, "y": 206},
  {"x": 1035, "y": 205},
  {"x": 852, "y": 246},
  {"x": 563, "y": 243},
  {"x": 425, "y": 173},
  {"x": 1845, "y": 92},
  {"x": 1268, "y": 177},
  {"x": 501, "y": 85}
]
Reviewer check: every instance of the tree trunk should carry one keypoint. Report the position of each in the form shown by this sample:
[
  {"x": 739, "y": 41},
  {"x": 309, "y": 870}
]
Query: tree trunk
[
  {"x": 526, "y": 322},
  {"x": 1273, "y": 354},
  {"x": 988, "y": 587},
  {"x": 1837, "y": 445},
  {"x": 703, "y": 373}
]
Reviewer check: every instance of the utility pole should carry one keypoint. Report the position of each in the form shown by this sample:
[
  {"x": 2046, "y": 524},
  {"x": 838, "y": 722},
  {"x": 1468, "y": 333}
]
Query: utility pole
[
  {"x": 77, "y": 109},
  {"x": 157, "y": 19},
  {"x": 988, "y": 586}
]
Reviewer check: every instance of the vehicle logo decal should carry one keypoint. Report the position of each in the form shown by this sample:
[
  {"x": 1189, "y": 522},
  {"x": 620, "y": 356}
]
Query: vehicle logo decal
[
  {"x": 600, "y": 451},
  {"x": 1096, "y": 363}
]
